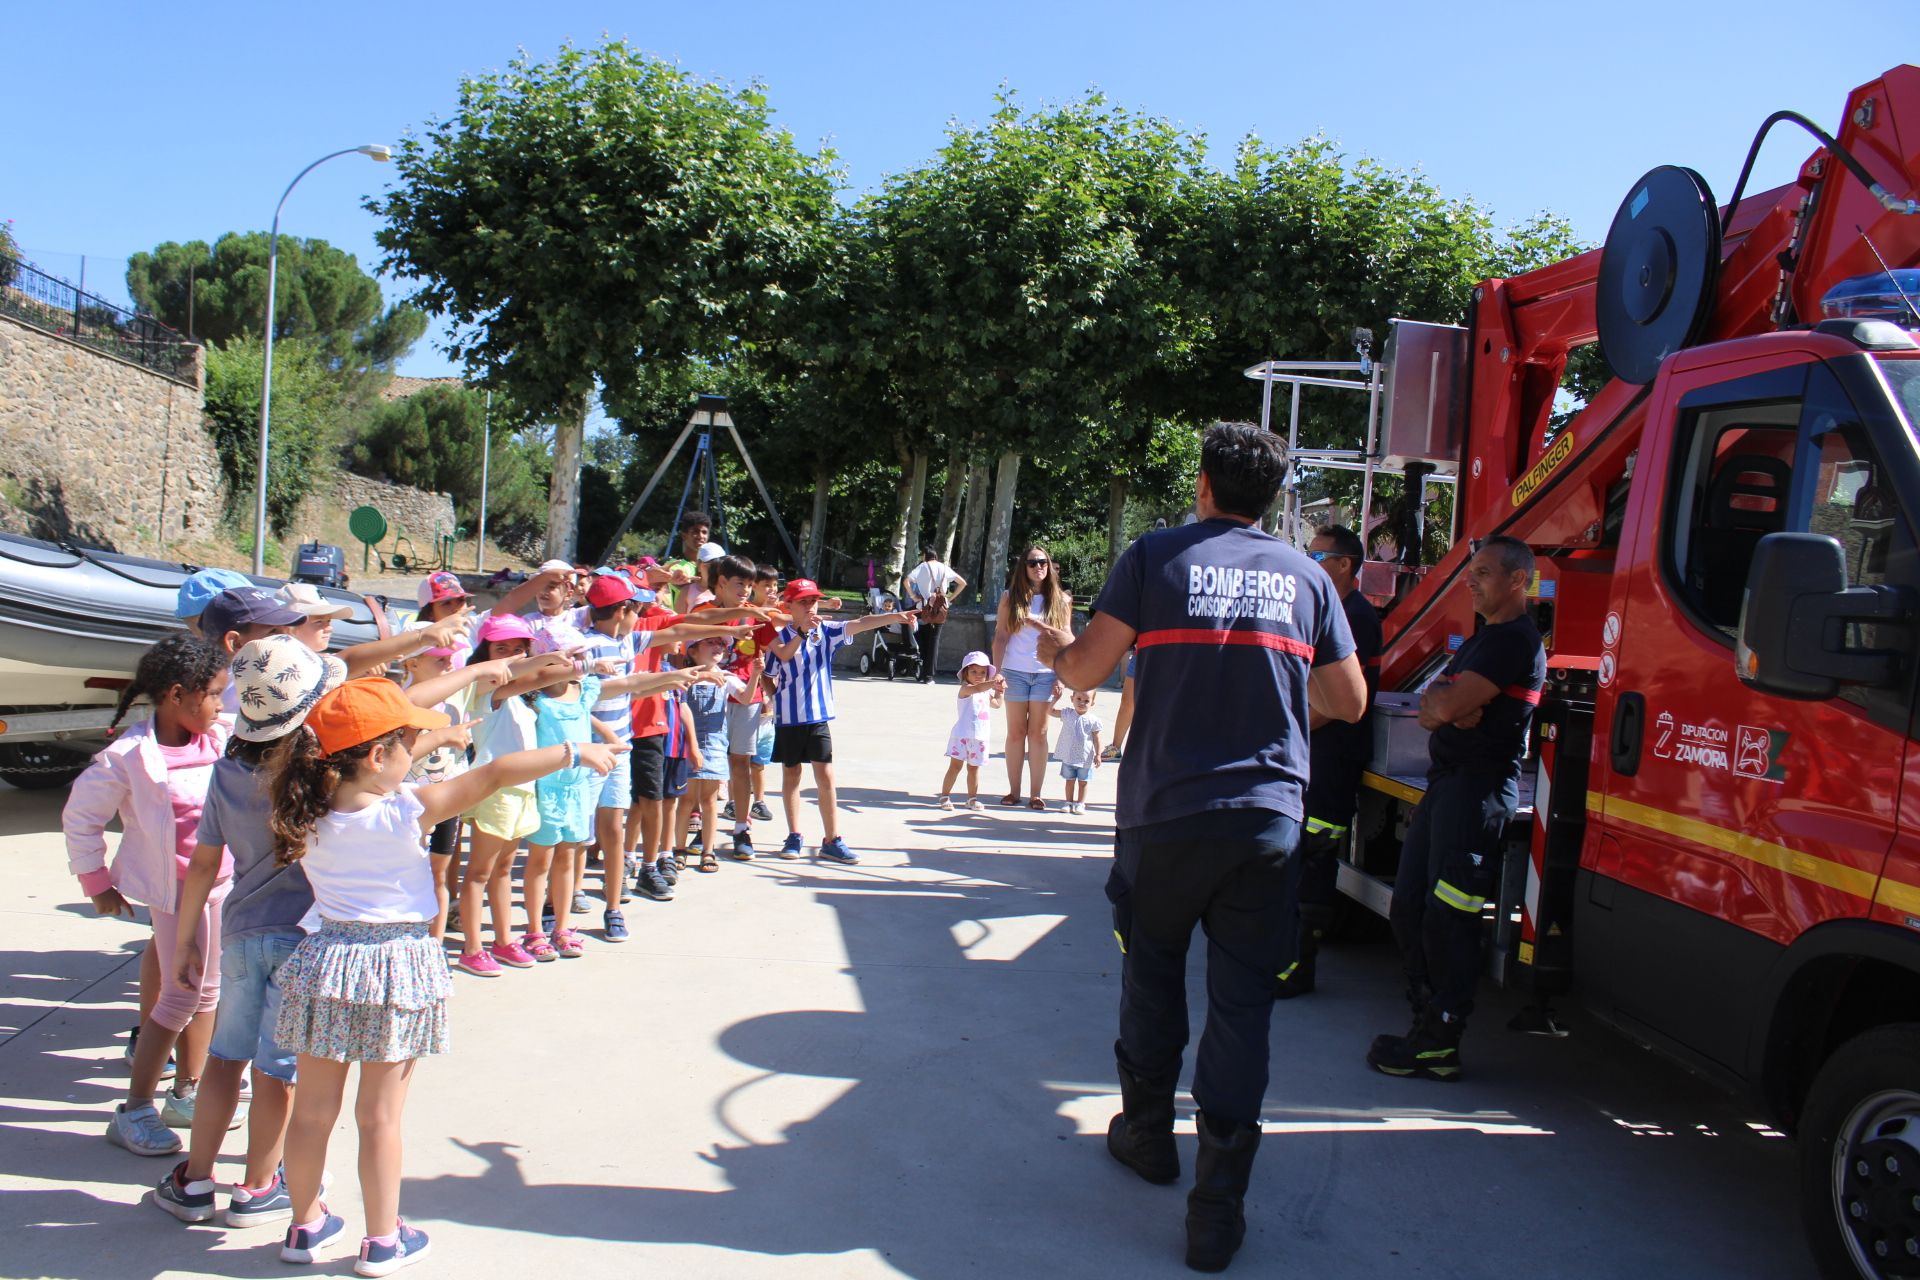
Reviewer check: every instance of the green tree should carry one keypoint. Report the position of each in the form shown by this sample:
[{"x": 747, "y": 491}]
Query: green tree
[
  {"x": 306, "y": 421},
  {"x": 432, "y": 440},
  {"x": 1023, "y": 295},
  {"x": 578, "y": 217},
  {"x": 219, "y": 293}
]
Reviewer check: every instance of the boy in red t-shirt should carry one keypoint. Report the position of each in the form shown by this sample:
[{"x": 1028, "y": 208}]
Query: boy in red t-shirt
[
  {"x": 733, "y": 580},
  {"x": 649, "y": 817}
]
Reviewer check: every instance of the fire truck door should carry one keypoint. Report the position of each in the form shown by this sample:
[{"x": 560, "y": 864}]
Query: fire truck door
[{"x": 1745, "y": 818}]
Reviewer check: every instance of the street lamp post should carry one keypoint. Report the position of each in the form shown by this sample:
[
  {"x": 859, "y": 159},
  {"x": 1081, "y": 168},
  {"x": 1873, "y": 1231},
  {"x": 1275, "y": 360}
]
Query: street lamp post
[{"x": 373, "y": 150}]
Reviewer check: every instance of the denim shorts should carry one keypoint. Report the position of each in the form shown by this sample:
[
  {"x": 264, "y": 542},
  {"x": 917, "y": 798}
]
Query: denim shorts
[
  {"x": 616, "y": 789},
  {"x": 1029, "y": 686},
  {"x": 250, "y": 1002},
  {"x": 1076, "y": 772}
]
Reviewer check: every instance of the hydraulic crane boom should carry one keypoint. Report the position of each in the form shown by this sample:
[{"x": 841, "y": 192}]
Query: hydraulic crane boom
[{"x": 1780, "y": 253}]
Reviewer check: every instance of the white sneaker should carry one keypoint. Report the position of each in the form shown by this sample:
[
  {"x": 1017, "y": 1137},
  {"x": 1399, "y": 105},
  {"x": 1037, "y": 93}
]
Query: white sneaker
[{"x": 139, "y": 1130}]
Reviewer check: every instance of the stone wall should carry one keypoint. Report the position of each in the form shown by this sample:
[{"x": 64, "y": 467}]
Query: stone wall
[
  {"x": 424, "y": 516},
  {"x": 99, "y": 451}
]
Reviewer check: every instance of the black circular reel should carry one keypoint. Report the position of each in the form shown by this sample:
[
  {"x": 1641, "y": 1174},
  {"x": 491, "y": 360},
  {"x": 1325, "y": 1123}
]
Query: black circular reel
[{"x": 1657, "y": 272}]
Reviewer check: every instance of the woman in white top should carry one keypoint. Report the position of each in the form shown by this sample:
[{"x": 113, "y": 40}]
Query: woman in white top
[{"x": 1035, "y": 595}]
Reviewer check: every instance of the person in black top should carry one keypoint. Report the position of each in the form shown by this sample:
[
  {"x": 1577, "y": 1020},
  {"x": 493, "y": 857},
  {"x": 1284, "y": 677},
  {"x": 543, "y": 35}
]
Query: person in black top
[
  {"x": 1239, "y": 639},
  {"x": 1477, "y": 713},
  {"x": 1340, "y": 752}
]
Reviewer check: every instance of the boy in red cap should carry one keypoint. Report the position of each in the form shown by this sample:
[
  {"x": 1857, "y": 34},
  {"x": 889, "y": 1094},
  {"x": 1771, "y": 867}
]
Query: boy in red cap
[
  {"x": 612, "y": 644},
  {"x": 801, "y": 659}
]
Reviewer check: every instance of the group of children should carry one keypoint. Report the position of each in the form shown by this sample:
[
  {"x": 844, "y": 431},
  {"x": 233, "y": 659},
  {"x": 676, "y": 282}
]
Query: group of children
[{"x": 291, "y": 819}]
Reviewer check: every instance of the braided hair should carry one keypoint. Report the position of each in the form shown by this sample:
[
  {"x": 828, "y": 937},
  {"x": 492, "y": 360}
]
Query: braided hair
[{"x": 182, "y": 659}]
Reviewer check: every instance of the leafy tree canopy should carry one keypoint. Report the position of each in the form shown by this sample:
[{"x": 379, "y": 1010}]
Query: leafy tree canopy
[
  {"x": 321, "y": 294},
  {"x": 575, "y": 217}
]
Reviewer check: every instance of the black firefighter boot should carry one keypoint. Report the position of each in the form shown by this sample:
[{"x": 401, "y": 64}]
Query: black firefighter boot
[
  {"x": 1141, "y": 1136},
  {"x": 1216, "y": 1222},
  {"x": 1431, "y": 1050}
]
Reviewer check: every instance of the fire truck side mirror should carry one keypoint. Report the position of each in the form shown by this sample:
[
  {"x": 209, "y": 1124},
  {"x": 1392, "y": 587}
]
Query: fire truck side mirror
[{"x": 1799, "y": 636}]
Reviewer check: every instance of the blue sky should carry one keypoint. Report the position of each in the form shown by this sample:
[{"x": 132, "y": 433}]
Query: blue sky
[{"x": 129, "y": 124}]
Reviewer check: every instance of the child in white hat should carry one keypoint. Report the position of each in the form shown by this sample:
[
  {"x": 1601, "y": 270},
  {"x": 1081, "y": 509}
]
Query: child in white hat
[{"x": 981, "y": 688}]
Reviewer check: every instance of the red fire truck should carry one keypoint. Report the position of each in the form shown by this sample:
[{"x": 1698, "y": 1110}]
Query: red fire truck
[{"x": 1721, "y": 853}]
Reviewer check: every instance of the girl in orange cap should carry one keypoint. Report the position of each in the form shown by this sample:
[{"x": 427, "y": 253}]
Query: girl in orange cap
[{"x": 371, "y": 986}]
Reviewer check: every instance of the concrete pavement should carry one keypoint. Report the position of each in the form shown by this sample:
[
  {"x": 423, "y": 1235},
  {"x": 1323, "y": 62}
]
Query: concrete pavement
[{"x": 897, "y": 1069}]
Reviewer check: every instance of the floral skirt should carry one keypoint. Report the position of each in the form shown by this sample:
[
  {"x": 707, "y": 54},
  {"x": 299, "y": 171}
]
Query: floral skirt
[{"x": 359, "y": 992}]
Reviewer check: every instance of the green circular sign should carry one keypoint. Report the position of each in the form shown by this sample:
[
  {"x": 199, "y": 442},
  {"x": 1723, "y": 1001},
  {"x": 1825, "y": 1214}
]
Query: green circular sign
[{"x": 367, "y": 524}]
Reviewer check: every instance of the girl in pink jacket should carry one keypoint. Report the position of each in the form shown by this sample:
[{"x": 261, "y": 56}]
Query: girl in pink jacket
[{"x": 155, "y": 777}]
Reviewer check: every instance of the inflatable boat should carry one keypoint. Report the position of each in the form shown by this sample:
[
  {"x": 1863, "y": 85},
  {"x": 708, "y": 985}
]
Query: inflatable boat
[{"x": 73, "y": 624}]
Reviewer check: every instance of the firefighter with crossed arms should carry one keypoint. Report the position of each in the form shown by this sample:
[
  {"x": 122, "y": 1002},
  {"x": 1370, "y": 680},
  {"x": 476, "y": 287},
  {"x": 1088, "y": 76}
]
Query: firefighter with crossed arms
[{"x": 1477, "y": 714}]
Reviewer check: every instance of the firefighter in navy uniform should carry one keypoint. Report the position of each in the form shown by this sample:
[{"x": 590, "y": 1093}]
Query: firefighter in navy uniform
[
  {"x": 1340, "y": 754},
  {"x": 1477, "y": 713},
  {"x": 1237, "y": 635}
]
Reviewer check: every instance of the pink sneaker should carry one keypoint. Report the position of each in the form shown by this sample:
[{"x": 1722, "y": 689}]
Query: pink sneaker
[
  {"x": 479, "y": 964},
  {"x": 512, "y": 954}
]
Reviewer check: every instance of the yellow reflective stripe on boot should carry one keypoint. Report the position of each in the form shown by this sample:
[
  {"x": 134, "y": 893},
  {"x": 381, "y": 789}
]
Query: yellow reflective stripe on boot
[
  {"x": 1122, "y": 941},
  {"x": 1320, "y": 827},
  {"x": 1458, "y": 899},
  {"x": 1288, "y": 971}
]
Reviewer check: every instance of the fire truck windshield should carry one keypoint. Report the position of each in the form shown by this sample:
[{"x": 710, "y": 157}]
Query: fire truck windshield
[{"x": 1903, "y": 378}]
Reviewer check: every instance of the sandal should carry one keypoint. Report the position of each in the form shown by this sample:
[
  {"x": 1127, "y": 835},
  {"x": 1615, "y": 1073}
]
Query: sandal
[
  {"x": 567, "y": 942},
  {"x": 946, "y": 802},
  {"x": 539, "y": 948},
  {"x": 708, "y": 862},
  {"x": 1037, "y": 805},
  {"x": 1011, "y": 799}
]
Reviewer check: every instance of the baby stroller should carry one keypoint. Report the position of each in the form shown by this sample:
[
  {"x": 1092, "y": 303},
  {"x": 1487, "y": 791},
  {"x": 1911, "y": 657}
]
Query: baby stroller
[{"x": 893, "y": 648}]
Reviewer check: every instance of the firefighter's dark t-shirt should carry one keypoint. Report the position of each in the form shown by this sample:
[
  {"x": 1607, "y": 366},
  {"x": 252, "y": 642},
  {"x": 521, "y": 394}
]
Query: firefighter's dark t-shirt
[
  {"x": 1510, "y": 657},
  {"x": 1230, "y": 621},
  {"x": 1337, "y": 743}
]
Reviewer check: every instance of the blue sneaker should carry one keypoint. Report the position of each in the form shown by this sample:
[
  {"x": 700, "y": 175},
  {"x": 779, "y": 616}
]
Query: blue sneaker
[
  {"x": 835, "y": 850},
  {"x": 615, "y": 921},
  {"x": 794, "y": 847},
  {"x": 302, "y": 1244},
  {"x": 187, "y": 1201},
  {"x": 742, "y": 847},
  {"x": 261, "y": 1208},
  {"x": 385, "y": 1259}
]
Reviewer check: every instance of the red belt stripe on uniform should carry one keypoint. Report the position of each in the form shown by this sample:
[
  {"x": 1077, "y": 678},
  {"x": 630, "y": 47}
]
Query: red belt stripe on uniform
[
  {"x": 1529, "y": 696},
  {"x": 1202, "y": 635}
]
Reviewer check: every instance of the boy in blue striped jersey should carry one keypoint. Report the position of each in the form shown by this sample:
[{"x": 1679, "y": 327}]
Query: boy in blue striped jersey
[{"x": 801, "y": 660}]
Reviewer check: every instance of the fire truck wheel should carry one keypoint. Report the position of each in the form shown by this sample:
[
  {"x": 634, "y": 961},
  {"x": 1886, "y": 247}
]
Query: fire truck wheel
[{"x": 1860, "y": 1157}]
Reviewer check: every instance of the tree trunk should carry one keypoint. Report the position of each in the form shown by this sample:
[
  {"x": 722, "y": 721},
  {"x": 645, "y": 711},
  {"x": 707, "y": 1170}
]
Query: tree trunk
[
  {"x": 563, "y": 497},
  {"x": 816, "y": 533},
  {"x": 887, "y": 572},
  {"x": 1000, "y": 529},
  {"x": 916, "y": 516},
  {"x": 1116, "y": 519},
  {"x": 975, "y": 526},
  {"x": 949, "y": 518}
]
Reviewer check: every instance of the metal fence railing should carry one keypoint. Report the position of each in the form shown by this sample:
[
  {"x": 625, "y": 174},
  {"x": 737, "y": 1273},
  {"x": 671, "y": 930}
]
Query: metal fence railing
[{"x": 48, "y": 302}]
